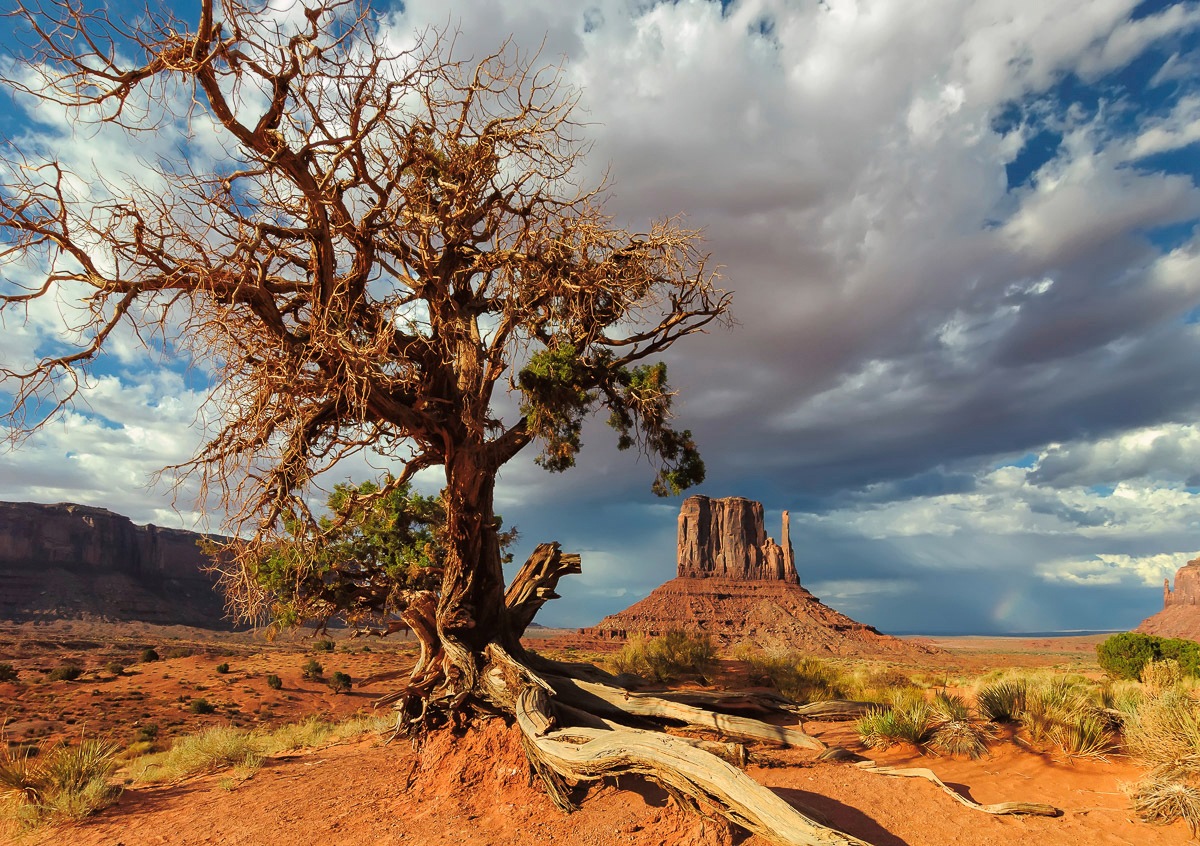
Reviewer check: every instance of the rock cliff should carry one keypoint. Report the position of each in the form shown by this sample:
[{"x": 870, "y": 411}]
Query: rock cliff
[
  {"x": 78, "y": 561},
  {"x": 726, "y": 539},
  {"x": 1180, "y": 615},
  {"x": 739, "y": 586}
]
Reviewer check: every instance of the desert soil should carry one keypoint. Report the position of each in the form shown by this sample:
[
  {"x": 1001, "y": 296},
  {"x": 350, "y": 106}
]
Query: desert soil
[{"x": 474, "y": 790}]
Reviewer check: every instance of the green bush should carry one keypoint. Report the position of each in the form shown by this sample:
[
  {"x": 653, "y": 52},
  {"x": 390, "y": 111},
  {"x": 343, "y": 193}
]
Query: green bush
[
  {"x": 312, "y": 669},
  {"x": 148, "y": 655},
  {"x": 222, "y": 668},
  {"x": 114, "y": 668},
  {"x": 67, "y": 672},
  {"x": 1124, "y": 655},
  {"x": 322, "y": 646},
  {"x": 340, "y": 682},
  {"x": 201, "y": 706},
  {"x": 1002, "y": 701},
  {"x": 7, "y": 672},
  {"x": 666, "y": 657},
  {"x": 798, "y": 677},
  {"x": 274, "y": 682}
]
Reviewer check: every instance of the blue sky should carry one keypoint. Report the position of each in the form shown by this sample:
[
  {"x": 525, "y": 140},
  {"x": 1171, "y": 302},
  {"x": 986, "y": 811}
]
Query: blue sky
[{"x": 963, "y": 242}]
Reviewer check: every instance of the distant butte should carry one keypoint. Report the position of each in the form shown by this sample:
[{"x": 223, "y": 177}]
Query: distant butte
[
  {"x": 69, "y": 561},
  {"x": 738, "y": 585},
  {"x": 1180, "y": 616}
]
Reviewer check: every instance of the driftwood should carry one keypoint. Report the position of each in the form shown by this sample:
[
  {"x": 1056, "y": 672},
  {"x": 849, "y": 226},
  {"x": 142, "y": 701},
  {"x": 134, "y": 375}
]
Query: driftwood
[{"x": 998, "y": 809}]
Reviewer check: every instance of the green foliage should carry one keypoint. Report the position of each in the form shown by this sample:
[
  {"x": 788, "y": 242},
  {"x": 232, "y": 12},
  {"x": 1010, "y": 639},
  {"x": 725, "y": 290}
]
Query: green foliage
[
  {"x": 375, "y": 543},
  {"x": 222, "y": 668},
  {"x": 908, "y": 719},
  {"x": 340, "y": 682},
  {"x": 1123, "y": 656},
  {"x": 560, "y": 388},
  {"x": 800, "y": 678},
  {"x": 312, "y": 669},
  {"x": 7, "y": 672},
  {"x": 200, "y": 705},
  {"x": 274, "y": 682},
  {"x": 1002, "y": 701},
  {"x": 147, "y": 655},
  {"x": 66, "y": 672},
  {"x": 667, "y": 657},
  {"x": 114, "y": 668},
  {"x": 322, "y": 646}
]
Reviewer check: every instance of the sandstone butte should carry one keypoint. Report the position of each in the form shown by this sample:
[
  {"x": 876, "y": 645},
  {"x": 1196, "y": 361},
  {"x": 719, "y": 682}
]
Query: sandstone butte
[
  {"x": 739, "y": 586},
  {"x": 1180, "y": 616},
  {"x": 69, "y": 561}
]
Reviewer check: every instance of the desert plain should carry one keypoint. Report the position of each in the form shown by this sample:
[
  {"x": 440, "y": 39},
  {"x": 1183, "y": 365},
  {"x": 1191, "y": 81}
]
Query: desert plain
[{"x": 475, "y": 788}]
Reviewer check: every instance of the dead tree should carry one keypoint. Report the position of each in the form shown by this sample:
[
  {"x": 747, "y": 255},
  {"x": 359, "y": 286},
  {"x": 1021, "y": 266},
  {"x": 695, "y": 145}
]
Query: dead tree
[{"x": 390, "y": 237}]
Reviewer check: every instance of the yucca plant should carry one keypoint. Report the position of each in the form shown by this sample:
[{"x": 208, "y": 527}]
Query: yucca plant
[
  {"x": 1002, "y": 701},
  {"x": 1087, "y": 735},
  {"x": 952, "y": 730},
  {"x": 909, "y": 719},
  {"x": 56, "y": 782}
]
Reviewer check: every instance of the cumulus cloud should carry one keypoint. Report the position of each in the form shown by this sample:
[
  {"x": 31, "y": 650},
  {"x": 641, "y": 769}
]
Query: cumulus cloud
[{"x": 966, "y": 351}]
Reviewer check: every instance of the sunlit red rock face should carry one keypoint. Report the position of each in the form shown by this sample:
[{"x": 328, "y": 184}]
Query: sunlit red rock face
[
  {"x": 740, "y": 586},
  {"x": 78, "y": 561},
  {"x": 1180, "y": 616}
]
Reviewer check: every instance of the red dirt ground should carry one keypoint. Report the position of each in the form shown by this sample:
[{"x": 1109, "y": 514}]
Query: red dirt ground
[{"x": 475, "y": 790}]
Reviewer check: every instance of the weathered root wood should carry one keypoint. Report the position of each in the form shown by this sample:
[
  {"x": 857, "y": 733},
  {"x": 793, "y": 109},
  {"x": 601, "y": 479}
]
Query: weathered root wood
[
  {"x": 832, "y": 709},
  {"x": 765, "y": 702},
  {"x": 535, "y": 584},
  {"x": 587, "y": 754},
  {"x": 603, "y": 699},
  {"x": 998, "y": 809}
]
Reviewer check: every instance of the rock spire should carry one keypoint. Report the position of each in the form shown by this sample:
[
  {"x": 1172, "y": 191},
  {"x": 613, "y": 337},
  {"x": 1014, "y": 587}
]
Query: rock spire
[{"x": 726, "y": 539}]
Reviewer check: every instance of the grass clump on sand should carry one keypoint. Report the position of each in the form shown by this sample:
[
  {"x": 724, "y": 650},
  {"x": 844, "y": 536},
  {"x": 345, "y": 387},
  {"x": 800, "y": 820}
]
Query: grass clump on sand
[
  {"x": 226, "y": 747},
  {"x": 908, "y": 718},
  {"x": 48, "y": 784},
  {"x": 667, "y": 657}
]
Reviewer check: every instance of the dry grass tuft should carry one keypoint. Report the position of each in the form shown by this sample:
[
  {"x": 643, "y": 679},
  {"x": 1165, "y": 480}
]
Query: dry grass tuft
[
  {"x": 667, "y": 657},
  {"x": 1162, "y": 798},
  {"x": 53, "y": 783}
]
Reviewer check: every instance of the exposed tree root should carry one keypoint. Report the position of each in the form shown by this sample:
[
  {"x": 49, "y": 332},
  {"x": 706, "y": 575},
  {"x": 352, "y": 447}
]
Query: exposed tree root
[
  {"x": 998, "y": 809},
  {"x": 576, "y": 728}
]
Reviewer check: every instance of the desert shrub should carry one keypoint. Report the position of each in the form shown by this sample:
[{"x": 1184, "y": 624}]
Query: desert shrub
[
  {"x": 799, "y": 678},
  {"x": 366, "y": 648},
  {"x": 951, "y": 728},
  {"x": 340, "y": 682},
  {"x": 200, "y": 705},
  {"x": 674, "y": 654},
  {"x": 1162, "y": 798},
  {"x": 908, "y": 719},
  {"x": 178, "y": 652},
  {"x": 7, "y": 672},
  {"x": 322, "y": 646},
  {"x": 66, "y": 672},
  {"x": 274, "y": 682},
  {"x": 114, "y": 668},
  {"x": 146, "y": 734},
  {"x": 148, "y": 655},
  {"x": 1123, "y": 656},
  {"x": 1164, "y": 732},
  {"x": 312, "y": 669},
  {"x": 1159, "y": 675},
  {"x": 1002, "y": 701},
  {"x": 222, "y": 668},
  {"x": 50, "y": 784}
]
